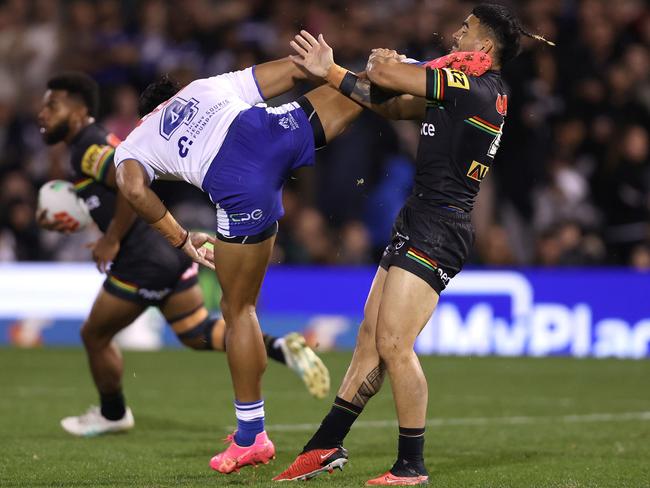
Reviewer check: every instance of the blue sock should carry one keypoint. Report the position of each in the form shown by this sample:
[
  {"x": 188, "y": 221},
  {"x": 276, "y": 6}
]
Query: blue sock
[{"x": 250, "y": 421}]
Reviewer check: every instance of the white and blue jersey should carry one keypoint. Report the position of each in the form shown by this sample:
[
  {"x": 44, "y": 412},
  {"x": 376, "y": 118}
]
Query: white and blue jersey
[{"x": 215, "y": 135}]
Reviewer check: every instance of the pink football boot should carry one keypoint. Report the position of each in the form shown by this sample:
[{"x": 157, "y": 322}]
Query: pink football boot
[{"x": 235, "y": 457}]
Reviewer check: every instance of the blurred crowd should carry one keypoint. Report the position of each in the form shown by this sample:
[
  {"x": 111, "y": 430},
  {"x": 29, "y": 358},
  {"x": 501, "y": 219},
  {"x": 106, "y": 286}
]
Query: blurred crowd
[{"x": 570, "y": 186}]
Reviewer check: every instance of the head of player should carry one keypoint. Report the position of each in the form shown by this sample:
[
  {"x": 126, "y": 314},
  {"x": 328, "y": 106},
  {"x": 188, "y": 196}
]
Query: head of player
[
  {"x": 492, "y": 29},
  {"x": 156, "y": 93},
  {"x": 69, "y": 104}
]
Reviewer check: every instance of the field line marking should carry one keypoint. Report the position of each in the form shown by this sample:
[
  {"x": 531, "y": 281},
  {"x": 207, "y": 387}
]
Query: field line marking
[{"x": 469, "y": 421}]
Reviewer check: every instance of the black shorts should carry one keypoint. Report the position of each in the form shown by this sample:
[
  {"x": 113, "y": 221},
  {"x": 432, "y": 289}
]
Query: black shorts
[
  {"x": 148, "y": 270},
  {"x": 430, "y": 242}
]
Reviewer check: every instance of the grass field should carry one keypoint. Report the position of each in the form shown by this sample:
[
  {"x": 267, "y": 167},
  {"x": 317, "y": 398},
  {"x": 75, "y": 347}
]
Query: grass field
[{"x": 493, "y": 423}]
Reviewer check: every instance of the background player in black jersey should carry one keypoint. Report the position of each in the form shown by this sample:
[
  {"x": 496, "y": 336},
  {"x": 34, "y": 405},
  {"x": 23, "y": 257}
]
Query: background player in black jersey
[
  {"x": 462, "y": 119},
  {"x": 145, "y": 271}
]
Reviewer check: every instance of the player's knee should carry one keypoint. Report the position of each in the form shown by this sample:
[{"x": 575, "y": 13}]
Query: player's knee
[
  {"x": 234, "y": 310},
  {"x": 92, "y": 338},
  {"x": 390, "y": 347}
]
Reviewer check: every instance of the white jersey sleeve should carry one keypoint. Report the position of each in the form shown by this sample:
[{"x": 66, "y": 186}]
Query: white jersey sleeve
[
  {"x": 243, "y": 83},
  {"x": 121, "y": 155}
]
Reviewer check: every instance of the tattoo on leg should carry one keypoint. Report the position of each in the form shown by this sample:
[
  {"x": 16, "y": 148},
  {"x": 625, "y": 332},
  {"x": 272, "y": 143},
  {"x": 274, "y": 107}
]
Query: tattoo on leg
[{"x": 370, "y": 386}]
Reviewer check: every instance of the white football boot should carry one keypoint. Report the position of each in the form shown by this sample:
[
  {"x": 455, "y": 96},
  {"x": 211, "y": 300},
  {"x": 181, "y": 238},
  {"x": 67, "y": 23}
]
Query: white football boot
[
  {"x": 93, "y": 423},
  {"x": 304, "y": 361}
]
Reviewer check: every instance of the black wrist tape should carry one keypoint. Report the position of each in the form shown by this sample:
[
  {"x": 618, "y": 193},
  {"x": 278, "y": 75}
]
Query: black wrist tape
[{"x": 348, "y": 83}]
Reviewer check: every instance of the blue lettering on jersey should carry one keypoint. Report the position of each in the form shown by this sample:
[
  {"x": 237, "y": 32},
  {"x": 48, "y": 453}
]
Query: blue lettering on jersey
[
  {"x": 184, "y": 144},
  {"x": 177, "y": 113}
]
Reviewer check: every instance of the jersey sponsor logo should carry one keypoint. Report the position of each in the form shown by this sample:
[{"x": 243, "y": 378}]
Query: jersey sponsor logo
[
  {"x": 95, "y": 159},
  {"x": 427, "y": 129},
  {"x": 444, "y": 277},
  {"x": 241, "y": 217},
  {"x": 502, "y": 104},
  {"x": 154, "y": 295},
  {"x": 477, "y": 171},
  {"x": 288, "y": 122},
  {"x": 457, "y": 79},
  {"x": 178, "y": 112}
]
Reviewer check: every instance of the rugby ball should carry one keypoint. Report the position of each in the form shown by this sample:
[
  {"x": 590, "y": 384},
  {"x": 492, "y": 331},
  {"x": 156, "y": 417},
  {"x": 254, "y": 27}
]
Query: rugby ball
[{"x": 60, "y": 200}]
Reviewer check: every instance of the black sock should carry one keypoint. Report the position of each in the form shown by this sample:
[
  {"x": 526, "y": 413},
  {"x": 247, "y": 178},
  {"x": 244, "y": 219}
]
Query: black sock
[
  {"x": 410, "y": 453},
  {"x": 112, "y": 405},
  {"x": 272, "y": 351},
  {"x": 335, "y": 426}
]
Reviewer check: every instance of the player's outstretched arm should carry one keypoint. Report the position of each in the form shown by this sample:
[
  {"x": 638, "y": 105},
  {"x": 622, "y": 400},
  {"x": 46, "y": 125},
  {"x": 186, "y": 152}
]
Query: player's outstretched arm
[
  {"x": 384, "y": 71},
  {"x": 134, "y": 185},
  {"x": 317, "y": 57},
  {"x": 277, "y": 77}
]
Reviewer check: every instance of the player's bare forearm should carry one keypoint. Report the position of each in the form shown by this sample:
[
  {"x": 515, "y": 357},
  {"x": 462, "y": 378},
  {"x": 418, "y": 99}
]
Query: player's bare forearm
[
  {"x": 133, "y": 183},
  {"x": 387, "y": 104},
  {"x": 277, "y": 77},
  {"x": 123, "y": 219},
  {"x": 398, "y": 77},
  {"x": 123, "y": 216}
]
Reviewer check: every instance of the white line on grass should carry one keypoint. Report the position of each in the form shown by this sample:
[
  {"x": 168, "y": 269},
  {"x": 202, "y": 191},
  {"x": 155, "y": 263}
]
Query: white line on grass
[{"x": 463, "y": 421}]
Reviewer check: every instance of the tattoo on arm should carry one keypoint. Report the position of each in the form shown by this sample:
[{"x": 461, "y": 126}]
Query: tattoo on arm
[
  {"x": 372, "y": 96},
  {"x": 370, "y": 386}
]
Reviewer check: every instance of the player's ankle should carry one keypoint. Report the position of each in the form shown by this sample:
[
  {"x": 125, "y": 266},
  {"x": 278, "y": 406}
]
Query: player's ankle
[
  {"x": 112, "y": 405},
  {"x": 250, "y": 422},
  {"x": 410, "y": 453},
  {"x": 335, "y": 426},
  {"x": 409, "y": 467}
]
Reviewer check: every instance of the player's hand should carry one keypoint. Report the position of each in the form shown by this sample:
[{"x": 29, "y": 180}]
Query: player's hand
[
  {"x": 104, "y": 251},
  {"x": 195, "y": 249},
  {"x": 61, "y": 222},
  {"x": 381, "y": 55},
  {"x": 314, "y": 54}
]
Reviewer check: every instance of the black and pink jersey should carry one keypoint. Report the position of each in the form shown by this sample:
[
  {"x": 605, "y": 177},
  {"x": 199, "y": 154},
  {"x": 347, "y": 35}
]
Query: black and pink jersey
[{"x": 459, "y": 137}]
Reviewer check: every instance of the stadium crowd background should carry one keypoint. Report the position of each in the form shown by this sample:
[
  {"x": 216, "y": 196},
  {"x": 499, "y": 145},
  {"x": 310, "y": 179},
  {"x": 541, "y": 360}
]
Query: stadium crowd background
[{"x": 571, "y": 184}]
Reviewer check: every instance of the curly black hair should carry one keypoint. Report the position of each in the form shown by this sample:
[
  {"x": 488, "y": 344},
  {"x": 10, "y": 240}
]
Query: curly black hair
[
  {"x": 80, "y": 86},
  {"x": 157, "y": 93},
  {"x": 507, "y": 29}
]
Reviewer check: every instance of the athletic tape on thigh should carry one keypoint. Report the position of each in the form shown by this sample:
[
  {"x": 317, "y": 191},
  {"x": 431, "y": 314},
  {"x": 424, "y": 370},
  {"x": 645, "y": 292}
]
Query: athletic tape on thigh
[
  {"x": 202, "y": 329},
  {"x": 184, "y": 315}
]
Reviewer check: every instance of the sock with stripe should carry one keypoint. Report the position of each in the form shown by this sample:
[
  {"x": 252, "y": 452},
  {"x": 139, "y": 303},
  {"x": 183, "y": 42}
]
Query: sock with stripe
[
  {"x": 273, "y": 349},
  {"x": 335, "y": 426},
  {"x": 250, "y": 421},
  {"x": 410, "y": 453}
]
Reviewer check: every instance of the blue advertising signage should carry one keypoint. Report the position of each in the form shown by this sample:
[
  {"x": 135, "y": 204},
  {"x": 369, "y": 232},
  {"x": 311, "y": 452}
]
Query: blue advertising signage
[{"x": 549, "y": 312}]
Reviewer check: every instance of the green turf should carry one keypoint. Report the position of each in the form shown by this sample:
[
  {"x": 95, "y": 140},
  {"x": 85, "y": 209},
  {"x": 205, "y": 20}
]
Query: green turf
[{"x": 494, "y": 423}]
